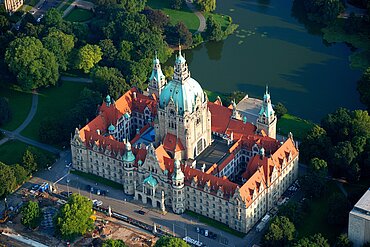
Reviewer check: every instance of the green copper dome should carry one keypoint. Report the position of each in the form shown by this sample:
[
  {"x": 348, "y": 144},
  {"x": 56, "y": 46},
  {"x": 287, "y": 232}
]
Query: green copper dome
[
  {"x": 111, "y": 127},
  {"x": 150, "y": 180},
  {"x": 128, "y": 156}
]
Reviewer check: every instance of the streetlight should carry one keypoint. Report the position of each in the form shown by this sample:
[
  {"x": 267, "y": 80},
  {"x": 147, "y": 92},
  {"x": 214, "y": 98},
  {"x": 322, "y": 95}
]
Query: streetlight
[{"x": 68, "y": 186}]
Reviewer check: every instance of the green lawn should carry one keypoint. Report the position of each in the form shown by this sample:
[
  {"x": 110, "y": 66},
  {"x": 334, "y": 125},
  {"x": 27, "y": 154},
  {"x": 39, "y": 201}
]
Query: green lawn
[
  {"x": 214, "y": 223},
  {"x": 224, "y": 20},
  {"x": 20, "y": 105},
  {"x": 185, "y": 15},
  {"x": 98, "y": 179},
  {"x": 79, "y": 15},
  {"x": 12, "y": 152},
  {"x": 315, "y": 221},
  {"x": 299, "y": 127},
  {"x": 53, "y": 101}
]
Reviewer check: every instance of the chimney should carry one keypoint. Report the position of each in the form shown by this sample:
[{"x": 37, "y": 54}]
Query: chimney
[
  {"x": 98, "y": 131},
  {"x": 134, "y": 94},
  {"x": 203, "y": 167}
]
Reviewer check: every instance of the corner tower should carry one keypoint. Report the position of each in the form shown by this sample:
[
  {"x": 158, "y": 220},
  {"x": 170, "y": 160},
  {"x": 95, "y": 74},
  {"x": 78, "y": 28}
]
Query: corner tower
[
  {"x": 178, "y": 189},
  {"x": 156, "y": 80},
  {"x": 267, "y": 118},
  {"x": 184, "y": 120},
  {"x": 128, "y": 159}
]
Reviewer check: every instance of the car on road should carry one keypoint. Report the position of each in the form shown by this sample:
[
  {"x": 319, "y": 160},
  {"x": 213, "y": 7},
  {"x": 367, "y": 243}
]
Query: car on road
[
  {"x": 140, "y": 212},
  {"x": 206, "y": 232},
  {"x": 97, "y": 203},
  {"x": 98, "y": 192},
  {"x": 66, "y": 194}
]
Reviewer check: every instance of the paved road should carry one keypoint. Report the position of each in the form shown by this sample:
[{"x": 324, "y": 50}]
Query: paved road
[
  {"x": 202, "y": 19},
  {"x": 79, "y": 3},
  {"x": 76, "y": 79}
]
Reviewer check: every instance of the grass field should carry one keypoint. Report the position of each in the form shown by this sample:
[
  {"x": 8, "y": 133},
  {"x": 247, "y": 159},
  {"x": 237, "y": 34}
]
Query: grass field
[
  {"x": 299, "y": 127},
  {"x": 222, "y": 19},
  {"x": 185, "y": 15},
  {"x": 316, "y": 220},
  {"x": 215, "y": 224},
  {"x": 79, "y": 15},
  {"x": 98, "y": 179},
  {"x": 20, "y": 105},
  {"x": 12, "y": 152},
  {"x": 53, "y": 101}
]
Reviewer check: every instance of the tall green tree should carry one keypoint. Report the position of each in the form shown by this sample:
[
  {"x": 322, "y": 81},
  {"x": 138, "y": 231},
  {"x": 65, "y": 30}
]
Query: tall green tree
[
  {"x": 109, "y": 81},
  {"x": 5, "y": 111},
  {"x": 31, "y": 214},
  {"x": 280, "y": 110},
  {"x": 213, "y": 29},
  {"x": 176, "y": 4},
  {"x": 323, "y": 11},
  {"x": 170, "y": 242},
  {"x": 206, "y": 5},
  {"x": 33, "y": 65},
  {"x": 280, "y": 232},
  {"x": 316, "y": 240},
  {"x": 20, "y": 173},
  {"x": 87, "y": 57},
  {"x": 114, "y": 243},
  {"x": 61, "y": 45},
  {"x": 293, "y": 211},
  {"x": 109, "y": 51},
  {"x": 29, "y": 161},
  {"x": 74, "y": 217},
  {"x": 343, "y": 241},
  {"x": 53, "y": 18},
  {"x": 7, "y": 179}
]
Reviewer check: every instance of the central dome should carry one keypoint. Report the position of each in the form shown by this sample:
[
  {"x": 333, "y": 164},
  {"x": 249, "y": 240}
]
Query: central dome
[{"x": 182, "y": 89}]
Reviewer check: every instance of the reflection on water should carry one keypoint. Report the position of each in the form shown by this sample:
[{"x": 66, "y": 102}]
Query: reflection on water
[{"x": 276, "y": 45}]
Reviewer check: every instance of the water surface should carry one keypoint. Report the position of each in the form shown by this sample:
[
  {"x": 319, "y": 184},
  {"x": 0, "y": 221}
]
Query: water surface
[{"x": 272, "y": 47}]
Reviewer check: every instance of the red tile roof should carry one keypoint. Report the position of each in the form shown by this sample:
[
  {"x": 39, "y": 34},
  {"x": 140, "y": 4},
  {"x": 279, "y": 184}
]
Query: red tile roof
[{"x": 170, "y": 143}]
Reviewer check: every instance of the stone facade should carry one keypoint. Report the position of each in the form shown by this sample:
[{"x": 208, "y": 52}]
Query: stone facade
[
  {"x": 12, "y": 5},
  {"x": 359, "y": 221},
  {"x": 163, "y": 172}
]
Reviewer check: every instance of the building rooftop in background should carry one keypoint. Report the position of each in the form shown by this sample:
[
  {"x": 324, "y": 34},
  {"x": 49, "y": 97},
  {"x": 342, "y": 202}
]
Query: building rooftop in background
[
  {"x": 12, "y": 5},
  {"x": 359, "y": 221},
  {"x": 249, "y": 108}
]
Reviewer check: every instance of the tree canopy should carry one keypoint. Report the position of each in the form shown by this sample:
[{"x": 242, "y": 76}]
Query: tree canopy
[
  {"x": 363, "y": 87},
  {"x": 316, "y": 240},
  {"x": 87, "y": 57},
  {"x": 31, "y": 214},
  {"x": 170, "y": 242},
  {"x": 280, "y": 232},
  {"x": 114, "y": 243},
  {"x": 323, "y": 11},
  {"x": 206, "y": 5},
  {"x": 74, "y": 217},
  {"x": 33, "y": 65},
  {"x": 7, "y": 179},
  {"x": 5, "y": 111}
]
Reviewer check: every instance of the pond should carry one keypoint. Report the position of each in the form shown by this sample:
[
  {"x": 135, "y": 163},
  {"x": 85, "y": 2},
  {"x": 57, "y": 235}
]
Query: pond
[{"x": 274, "y": 45}]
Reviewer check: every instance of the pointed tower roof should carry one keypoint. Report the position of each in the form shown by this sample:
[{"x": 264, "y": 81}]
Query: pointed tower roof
[
  {"x": 128, "y": 156},
  {"x": 266, "y": 108},
  {"x": 180, "y": 58}
]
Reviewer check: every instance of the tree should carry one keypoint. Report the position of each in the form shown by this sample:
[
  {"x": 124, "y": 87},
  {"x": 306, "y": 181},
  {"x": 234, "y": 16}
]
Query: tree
[
  {"x": 5, "y": 111},
  {"x": 87, "y": 57},
  {"x": 176, "y": 4},
  {"x": 33, "y": 65},
  {"x": 166, "y": 241},
  {"x": 168, "y": 71},
  {"x": 293, "y": 211},
  {"x": 323, "y": 11},
  {"x": 7, "y": 179},
  {"x": 312, "y": 185},
  {"x": 280, "y": 110},
  {"x": 213, "y": 29},
  {"x": 4, "y": 24},
  {"x": 53, "y": 18},
  {"x": 319, "y": 166},
  {"x": 280, "y": 232},
  {"x": 316, "y": 240},
  {"x": 109, "y": 81},
  {"x": 20, "y": 174},
  {"x": 178, "y": 33},
  {"x": 343, "y": 241},
  {"x": 74, "y": 217},
  {"x": 156, "y": 17},
  {"x": 207, "y": 5},
  {"x": 31, "y": 214},
  {"x": 29, "y": 161},
  {"x": 133, "y": 6},
  {"x": 109, "y": 51},
  {"x": 61, "y": 45},
  {"x": 114, "y": 243},
  {"x": 315, "y": 144}
]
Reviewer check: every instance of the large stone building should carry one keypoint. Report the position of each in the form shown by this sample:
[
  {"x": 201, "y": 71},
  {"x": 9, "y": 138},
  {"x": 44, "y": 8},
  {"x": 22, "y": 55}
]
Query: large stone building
[
  {"x": 359, "y": 221},
  {"x": 173, "y": 149},
  {"x": 12, "y": 5}
]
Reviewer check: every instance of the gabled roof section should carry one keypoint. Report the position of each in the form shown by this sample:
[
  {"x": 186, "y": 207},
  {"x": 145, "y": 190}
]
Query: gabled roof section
[
  {"x": 161, "y": 155},
  {"x": 222, "y": 122},
  {"x": 171, "y": 144}
]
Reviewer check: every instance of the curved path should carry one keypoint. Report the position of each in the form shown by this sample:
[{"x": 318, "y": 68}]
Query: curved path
[
  {"x": 31, "y": 114},
  {"x": 202, "y": 19}
]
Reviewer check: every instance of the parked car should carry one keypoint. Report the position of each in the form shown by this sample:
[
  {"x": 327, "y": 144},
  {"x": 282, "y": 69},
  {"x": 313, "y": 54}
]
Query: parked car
[
  {"x": 69, "y": 165},
  {"x": 140, "y": 212},
  {"x": 98, "y": 192},
  {"x": 66, "y": 194}
]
